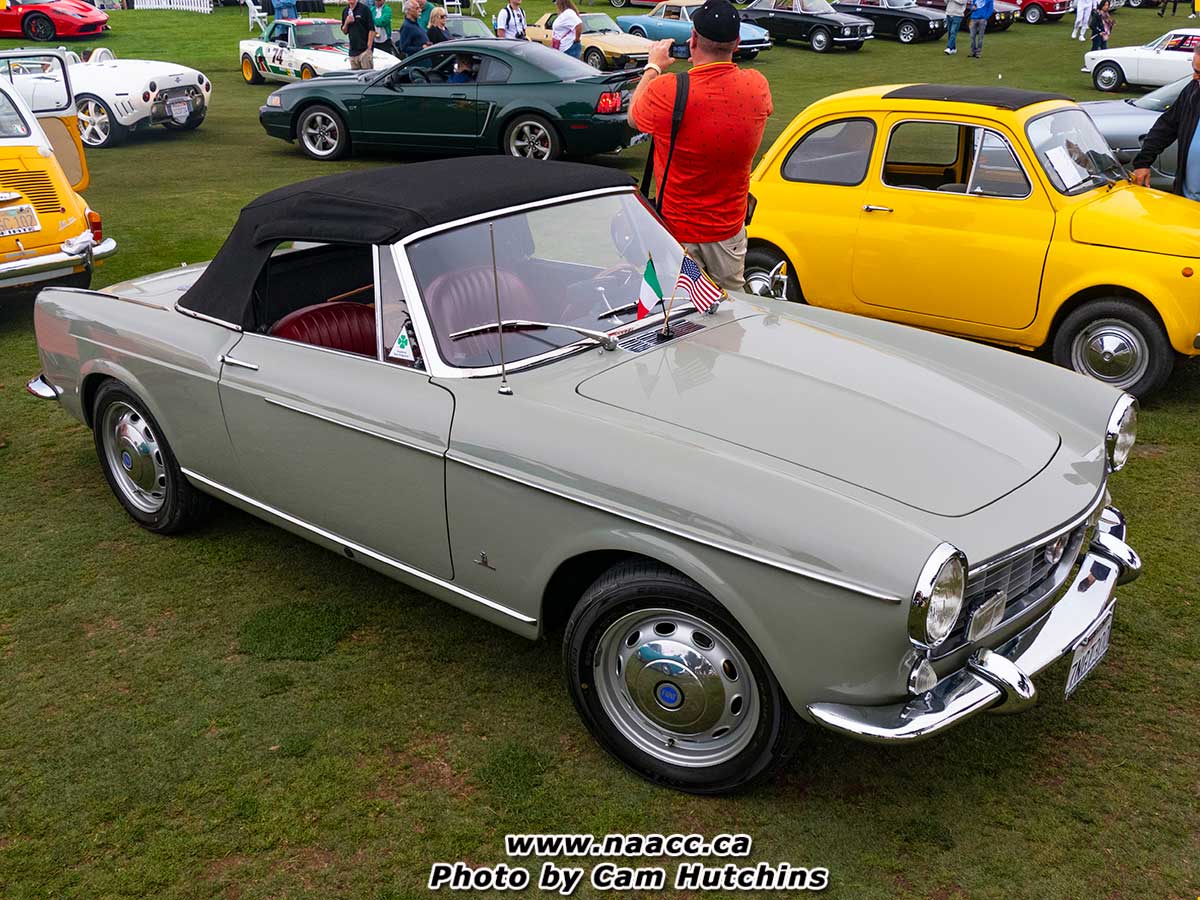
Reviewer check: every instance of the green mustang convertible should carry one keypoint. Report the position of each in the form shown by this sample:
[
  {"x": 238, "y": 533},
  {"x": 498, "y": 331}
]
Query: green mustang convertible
[{"x": 477, "y": 95}]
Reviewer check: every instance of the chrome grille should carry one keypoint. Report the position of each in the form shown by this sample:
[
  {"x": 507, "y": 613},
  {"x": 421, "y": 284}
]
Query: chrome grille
[{"x": 35, "y": 186}]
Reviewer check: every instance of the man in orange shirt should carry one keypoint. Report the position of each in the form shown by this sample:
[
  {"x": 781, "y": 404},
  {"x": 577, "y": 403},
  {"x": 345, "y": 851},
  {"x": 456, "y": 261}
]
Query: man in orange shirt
[{"x": 703, "y": 200}]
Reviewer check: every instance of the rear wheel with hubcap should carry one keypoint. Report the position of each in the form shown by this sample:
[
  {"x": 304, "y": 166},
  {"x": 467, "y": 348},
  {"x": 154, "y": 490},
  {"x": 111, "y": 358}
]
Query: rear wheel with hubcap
[
  {"x": 98, "y": 127},
  {"x": 671, "y": 685},
  {"x": 760, "y": 262},
  {"x": 532, "y": 137},
  {"x": 819, "y": 40},
  {"x": 322, "y": 133},
  {"x": 1117, "y": 342},
  {"x": 1108, "y": 77}
]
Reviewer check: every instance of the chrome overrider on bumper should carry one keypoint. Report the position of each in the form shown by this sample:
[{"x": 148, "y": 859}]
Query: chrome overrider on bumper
[
  {"x": 1001, "y": 679},
  {"x": 43, "y": 389},
  {"x": 75, "y": 252}
]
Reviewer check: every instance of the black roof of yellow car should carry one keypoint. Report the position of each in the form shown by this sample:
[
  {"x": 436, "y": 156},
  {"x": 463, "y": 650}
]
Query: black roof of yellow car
[
  {"x": 999, "y": 97},
  {"x": 377, "y": 206}
]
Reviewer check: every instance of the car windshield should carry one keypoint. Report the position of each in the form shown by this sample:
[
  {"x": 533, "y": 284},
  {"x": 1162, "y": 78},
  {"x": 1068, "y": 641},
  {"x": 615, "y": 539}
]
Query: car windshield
[
  {"x": 468, "y": 27},
  {"x": 1160, "y": 100},
  {"x": 815, "y": 6},
  {"x": 598, "y": 23},
  {"x": 579, "y": 263},
  {"x": 1074, "y": 154},
  {"x": 319, "y": 34}
]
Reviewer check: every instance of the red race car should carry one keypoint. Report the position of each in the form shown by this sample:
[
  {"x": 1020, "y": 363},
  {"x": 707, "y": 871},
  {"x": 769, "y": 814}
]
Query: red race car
[{"x": 46, "y": 20}]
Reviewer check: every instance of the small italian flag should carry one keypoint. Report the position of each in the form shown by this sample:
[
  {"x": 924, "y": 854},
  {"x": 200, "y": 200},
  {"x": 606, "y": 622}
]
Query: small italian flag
[{"x": 651, "y": 294}]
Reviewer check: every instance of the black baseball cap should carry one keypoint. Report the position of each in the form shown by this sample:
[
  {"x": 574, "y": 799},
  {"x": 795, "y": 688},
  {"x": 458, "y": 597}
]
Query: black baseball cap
[{"x": 718, "y": 21}]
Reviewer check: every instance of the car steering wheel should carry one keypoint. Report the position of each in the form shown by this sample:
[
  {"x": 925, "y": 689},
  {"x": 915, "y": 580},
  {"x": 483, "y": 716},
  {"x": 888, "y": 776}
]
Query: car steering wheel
[
  {"x": 418, "y": 76},
  {"x": 612, "y": 270}
]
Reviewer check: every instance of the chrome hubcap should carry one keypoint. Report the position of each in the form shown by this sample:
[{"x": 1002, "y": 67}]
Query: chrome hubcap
[
  {"x": 819, "y": 41},
  {"x": 907, "y": 33},
  {"x": 320, "y": 134},
  {"x": 676, "y": 687},
  {"x": 93, "y": 123},
  {"x": 1107, "y": 77},
  {"x": 530, "y": 140},
  {"x": 133, "y": 456},
  {"x": 1111, "y": 351}
]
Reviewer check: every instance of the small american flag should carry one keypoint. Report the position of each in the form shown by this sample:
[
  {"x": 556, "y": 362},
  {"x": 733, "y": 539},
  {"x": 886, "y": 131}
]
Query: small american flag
[{"x": 698, "y": 286}]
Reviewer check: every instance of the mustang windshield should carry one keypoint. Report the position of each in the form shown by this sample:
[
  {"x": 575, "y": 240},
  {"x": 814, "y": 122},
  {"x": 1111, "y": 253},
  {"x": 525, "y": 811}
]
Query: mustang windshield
[
  {"x": 579, "y": 264},
  {"x": 1074, "y": 154},
  {"x": 319, "y": 34},
  {"x": 598, "y": 23}
]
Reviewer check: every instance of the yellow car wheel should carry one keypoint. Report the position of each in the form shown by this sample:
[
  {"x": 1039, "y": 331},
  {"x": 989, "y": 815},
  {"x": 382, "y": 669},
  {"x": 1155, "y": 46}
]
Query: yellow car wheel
[
  {"x": 250, "y": 74},
  {"x": 306, "y": 72}
]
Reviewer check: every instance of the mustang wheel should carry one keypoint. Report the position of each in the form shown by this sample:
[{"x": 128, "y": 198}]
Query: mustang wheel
[
  {"x": 760, "y": 262},
  {"x": 1034, "y": 14},
  {"x": 307, "y": 72},
  {"x": 98, "y": 127},
  {"x": 907, "y": 33},
  {"x": 819, "y": 40},
  {"x": 532, "y": 137},
  {"x": 595, "y": 58},
  {"x": 1117, "y": 342},
  {"x": 322, "y": 133},
  {"x": 139, "y": 465},
  {"x": 250, "y": 73},
  {"x": 38, "y": 27},
  {"x": 1108, "y": 77},
  {"x": 669, "y": 683}
]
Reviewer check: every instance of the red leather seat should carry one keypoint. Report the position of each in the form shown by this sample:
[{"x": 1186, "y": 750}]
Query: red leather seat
[
  {"x": 341, "y": 325},
  {"x": 462, "y": 298}
]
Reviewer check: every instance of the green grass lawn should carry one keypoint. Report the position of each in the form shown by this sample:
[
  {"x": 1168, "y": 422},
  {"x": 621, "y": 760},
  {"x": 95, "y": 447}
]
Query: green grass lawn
[{"x": 236, "y": 713}]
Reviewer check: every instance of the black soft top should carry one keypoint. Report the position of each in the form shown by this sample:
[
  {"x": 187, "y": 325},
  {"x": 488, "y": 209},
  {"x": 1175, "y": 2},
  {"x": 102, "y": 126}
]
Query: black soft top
[
  {"x": 377, "y": 206},
  {"x": 999, "y": 97}
]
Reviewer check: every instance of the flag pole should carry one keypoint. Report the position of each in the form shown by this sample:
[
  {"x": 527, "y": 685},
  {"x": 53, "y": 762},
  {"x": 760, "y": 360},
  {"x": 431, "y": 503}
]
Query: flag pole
[{"x": 666, "y": 334}]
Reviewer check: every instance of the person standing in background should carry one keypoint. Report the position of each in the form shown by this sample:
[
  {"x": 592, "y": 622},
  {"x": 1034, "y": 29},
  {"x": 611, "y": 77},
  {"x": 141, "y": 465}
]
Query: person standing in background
[
  {"x": 510, "y": 21},
  {"x": 413, "y": 38},
  {"x": 568, "y": 29},
  {"x": 359, "y": 26},
  {"x": 1162, "y": 8},
  {"x": 1083, "y": 17},
  {"x": 981, "y": 11},
  {"x": 1175, "y": 126},
  {"x": 437, "y": 26},
  {"x": 954, "y": 15},
  {"x": 423, "y": 13},
  {"x": 284, "y": 9},
  {"x": 1101, "y": 25},
  {"x": 382, "y": 15}
]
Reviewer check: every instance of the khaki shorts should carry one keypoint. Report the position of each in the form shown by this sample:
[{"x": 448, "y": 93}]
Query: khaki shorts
[
  {"x": 362, "y": 61},
  {"x": 724, "y": 261}
]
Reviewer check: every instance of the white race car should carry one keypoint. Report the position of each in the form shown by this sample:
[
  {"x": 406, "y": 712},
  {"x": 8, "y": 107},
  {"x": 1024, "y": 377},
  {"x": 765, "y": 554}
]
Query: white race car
[
  {"x": 299, "y": 49},
  {"x": 115, "y": 96},
  {"x": 1159, "y": 62}
]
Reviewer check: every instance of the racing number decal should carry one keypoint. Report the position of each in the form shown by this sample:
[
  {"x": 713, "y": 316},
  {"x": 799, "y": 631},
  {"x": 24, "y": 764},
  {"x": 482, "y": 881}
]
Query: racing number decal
[{"x": 277, "y": 56}]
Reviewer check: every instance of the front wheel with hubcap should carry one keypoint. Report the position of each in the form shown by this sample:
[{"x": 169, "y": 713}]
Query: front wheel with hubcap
[
  {"x": 531, "y": 137},
  {"x": 1108, "y": 77},
  {"x": 1034, "y": 14},
  {"x": 1117, "y": 342},
  {"x": 820, "y": 40},
  {"x": 671, "y": 685},
  {"x": 322, "y": 133},
  {"x": 907, "y": 33},
  {"x": 594, "y": 57},
  {"x": 139, "y": 465},
  {"x": 98, "y": 127}
]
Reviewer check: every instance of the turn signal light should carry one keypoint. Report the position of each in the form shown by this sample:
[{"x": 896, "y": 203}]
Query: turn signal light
[
  {"x": 609, "y": 102},
  {"x": 1187, "y": 271},
  {"x": 95, "y": 226},
  {"x": 145, "y": 96}
]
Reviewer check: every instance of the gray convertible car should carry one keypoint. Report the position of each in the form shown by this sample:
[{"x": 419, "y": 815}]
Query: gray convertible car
[{"x": 772, "y": 516}]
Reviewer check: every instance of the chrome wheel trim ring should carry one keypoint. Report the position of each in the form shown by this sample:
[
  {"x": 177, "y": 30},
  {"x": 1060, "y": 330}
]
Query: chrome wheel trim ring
[
  {"x": 94, "y": 126},
  {"x": 595, "y": 59},
  {"x": 908, "y": 33},
  {"x": 676, "y": 687},
  {"x": 320, "y": 134},
  {"x": 758, "y": 282},
  {"x": 1107, "y": 78},
  {"x": 530, "y": 140},
  {"x": 1111, "y": 351},
  {"x": 133, "y": 456}
]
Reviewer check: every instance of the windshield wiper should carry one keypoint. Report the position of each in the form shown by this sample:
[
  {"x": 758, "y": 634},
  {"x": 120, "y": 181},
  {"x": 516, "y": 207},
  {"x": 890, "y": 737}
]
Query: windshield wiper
[
  {"x": 620, "y": 311},
  {"x": 602, "y": 338}
]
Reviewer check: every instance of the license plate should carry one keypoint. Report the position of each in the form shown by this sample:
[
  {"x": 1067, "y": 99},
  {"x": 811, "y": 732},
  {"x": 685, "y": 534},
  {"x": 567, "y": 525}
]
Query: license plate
[
  {"x": 18, "y": 220},
  {"x": 179, "y": 110},
  {"x": 638, "y": 138},
  {"x": 1089, "y": 651}
]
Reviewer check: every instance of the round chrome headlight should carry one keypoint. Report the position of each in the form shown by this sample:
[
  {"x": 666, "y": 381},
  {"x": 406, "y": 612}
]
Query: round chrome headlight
[
  {"x": 1121, "y": 433},
  {"x": 938, "y": 597}
]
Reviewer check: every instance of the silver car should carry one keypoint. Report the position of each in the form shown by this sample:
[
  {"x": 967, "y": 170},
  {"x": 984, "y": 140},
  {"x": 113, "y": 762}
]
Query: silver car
[
  {"x": 1124, "y": 123},
  {"x": 744, "y": 521}
]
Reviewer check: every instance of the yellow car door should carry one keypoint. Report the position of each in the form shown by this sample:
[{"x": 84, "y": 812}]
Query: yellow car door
[
  {"x": 953, "y": 228},
  {"x": 43, "y": 80}
]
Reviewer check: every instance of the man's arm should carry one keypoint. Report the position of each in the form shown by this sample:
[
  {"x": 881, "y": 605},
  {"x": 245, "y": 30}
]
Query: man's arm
[
  {"x": 1164, "y": 132},
  {"x": 502, "y": 30},
  {"x": 660, "y": 56}
]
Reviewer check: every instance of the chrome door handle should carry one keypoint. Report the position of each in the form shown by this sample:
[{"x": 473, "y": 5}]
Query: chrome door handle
[
  {"x": 230, "y": 361},
  {"x": 871, "y": 208}
]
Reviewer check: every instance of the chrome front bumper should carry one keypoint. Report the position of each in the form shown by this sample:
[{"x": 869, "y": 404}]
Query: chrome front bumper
[
  {"x": 43, "y": 389},
  {"x": 32, "y": 269},
  {"x": 1001, "y": 679}
]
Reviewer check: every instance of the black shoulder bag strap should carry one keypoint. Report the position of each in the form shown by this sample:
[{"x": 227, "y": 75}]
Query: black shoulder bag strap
[{"x": 681, "y": 98}]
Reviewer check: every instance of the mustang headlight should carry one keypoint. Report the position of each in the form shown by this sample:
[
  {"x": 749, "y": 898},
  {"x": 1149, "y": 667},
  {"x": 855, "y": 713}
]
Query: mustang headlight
[
  {"x": 1121, "y": 432},
  {"x": 938, "y": 596},
  {"x": 274, "y": 100}
]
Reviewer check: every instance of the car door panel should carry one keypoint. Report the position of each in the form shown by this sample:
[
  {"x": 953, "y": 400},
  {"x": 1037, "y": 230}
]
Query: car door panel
[{"x": 347, "y": 443}]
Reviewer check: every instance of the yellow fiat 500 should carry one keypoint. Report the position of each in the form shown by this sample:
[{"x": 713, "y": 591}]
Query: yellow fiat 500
[
  {"x": 990, "y": 213},
  {"x": 47, "y": 231}
]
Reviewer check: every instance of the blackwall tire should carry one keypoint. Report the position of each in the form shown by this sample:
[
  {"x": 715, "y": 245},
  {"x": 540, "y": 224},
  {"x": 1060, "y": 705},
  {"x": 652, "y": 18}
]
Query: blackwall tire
[
  {"x": 820, "y": 40},
  {"x": 1116, "y": 341},
  {"x": 759, "y": 263},
  {"x": 38, "y": 27},
  {"x": 1108, "y": 77},
  {"x": 530, "y": 136},
  {"x": 322, "y": 133}
]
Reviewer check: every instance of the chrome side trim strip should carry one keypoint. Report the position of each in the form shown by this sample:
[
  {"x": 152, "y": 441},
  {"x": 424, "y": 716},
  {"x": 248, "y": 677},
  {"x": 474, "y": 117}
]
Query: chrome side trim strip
[
  {"x": 1071, "y": 524},
  {"x": 360, "y": 430},
  {"x": 203, "y": 318},
  {"x": 707, "y": 542},
  {"x": 359, "y": 548}
]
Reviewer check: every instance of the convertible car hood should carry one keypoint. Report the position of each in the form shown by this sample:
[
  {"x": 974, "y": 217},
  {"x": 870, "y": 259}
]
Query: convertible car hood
[
  {"x": 1134, "y": 218},
  {"x": 867, "y": 416}
]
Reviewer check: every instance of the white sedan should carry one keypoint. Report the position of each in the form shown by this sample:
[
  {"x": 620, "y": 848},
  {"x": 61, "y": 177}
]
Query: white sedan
[
  {"x": 115, "y": 96},
  {"x": 299, "y": 49},
  {"x": 1159, "y": 62}
]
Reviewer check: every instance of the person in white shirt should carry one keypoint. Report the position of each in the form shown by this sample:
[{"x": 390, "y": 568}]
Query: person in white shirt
[
  {"x": 568, "y": 29},
  {"x": 510, "y": 22}
]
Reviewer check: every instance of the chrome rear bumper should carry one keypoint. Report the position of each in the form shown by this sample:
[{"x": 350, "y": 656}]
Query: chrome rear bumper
[
  {"x": 1001, "y": 679},
  {"x": 32, "y": 269}
]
